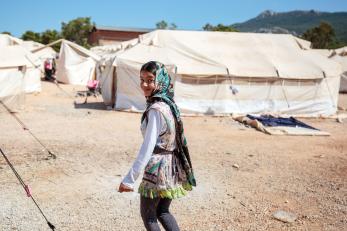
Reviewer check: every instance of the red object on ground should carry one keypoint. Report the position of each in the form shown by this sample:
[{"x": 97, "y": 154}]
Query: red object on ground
[{"x": 28, "y": 190}]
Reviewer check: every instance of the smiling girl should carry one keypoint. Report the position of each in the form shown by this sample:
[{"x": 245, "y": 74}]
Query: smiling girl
[{"x": 164, "y": 155}]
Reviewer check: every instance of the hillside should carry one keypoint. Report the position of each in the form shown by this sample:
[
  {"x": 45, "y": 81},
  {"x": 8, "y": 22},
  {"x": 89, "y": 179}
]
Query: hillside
[{"x": 295, "y": 22}]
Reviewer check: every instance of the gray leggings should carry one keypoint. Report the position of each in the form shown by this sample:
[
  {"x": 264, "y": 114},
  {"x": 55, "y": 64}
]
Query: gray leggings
[{"x": 157, "y": 208}]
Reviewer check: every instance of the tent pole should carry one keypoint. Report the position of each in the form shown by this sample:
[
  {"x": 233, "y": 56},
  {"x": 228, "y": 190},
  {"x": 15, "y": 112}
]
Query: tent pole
[
  {"x": 282, "y": 85},
  {"x": 284, "y": 93},
  {"x": 269, "y": 84},
  {"x": 316, "y": 91},
  {"x": 174, "y": 82},
  {"x": 48, "y": 45},
  {"x": 108, "y": 72},
  {"x": 331, "y": 96},
  {"x": 114, "y": 87}
]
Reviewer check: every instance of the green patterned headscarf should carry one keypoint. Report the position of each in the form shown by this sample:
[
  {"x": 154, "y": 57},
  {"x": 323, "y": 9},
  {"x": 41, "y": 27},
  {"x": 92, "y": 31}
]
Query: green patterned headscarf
[{"x": 164, "y": 92}]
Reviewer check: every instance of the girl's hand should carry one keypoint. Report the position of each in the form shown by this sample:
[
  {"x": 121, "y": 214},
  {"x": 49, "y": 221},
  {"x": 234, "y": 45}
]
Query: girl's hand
[{"x": 124, "y": 188}]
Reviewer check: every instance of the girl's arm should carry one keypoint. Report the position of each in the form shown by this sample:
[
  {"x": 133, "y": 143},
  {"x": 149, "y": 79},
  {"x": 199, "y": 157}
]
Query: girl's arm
[{"x": 153, "y": 130}]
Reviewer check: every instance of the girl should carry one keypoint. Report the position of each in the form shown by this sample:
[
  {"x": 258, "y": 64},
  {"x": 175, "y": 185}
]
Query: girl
[{"x": 163, "y": 156}]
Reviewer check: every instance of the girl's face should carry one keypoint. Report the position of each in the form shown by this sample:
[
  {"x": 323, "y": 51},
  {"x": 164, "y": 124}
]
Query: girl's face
[{"x": 147, "y": 83}]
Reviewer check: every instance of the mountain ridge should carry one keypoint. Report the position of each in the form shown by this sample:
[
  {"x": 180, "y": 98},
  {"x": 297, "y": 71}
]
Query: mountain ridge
[{"x": 295, "y": 22}]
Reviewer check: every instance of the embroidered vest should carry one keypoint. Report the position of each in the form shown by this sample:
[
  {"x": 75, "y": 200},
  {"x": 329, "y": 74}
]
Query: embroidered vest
[{"x": 166, "y": 139}]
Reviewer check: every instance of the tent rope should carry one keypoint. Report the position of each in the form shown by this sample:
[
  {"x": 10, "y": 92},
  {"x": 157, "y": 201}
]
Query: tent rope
[
  {"x": 26, "y": 189},
  {"x": 65, "y": 92},
  {"x": 233, "y": 90},
  {"x": 27, "y": 129}
]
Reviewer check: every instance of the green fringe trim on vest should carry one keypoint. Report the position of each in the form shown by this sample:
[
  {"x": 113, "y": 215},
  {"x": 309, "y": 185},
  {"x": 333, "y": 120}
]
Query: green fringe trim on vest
[{"x": 173, "y": 193}]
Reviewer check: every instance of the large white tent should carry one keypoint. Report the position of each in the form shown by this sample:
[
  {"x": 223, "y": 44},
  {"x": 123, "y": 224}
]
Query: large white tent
[
  {"x": 106, "y": 69},
  {"x": 41, "y": 51},
  {"x": 32, "y": 82},
  {"x": 8, "y": 40},
  {"x": 32, "y": 46},
  {"x": 76, "y": 64},
  {"x": 339, "y": 56},
  {"x": 16, "y": 67},
  {"x": 272, "y": 73},
  {"x": 34, "y": 71}
]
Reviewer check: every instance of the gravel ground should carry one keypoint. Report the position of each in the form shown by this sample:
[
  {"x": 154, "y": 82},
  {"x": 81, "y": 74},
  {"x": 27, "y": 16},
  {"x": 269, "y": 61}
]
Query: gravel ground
[{"x": 244, "y": 176}]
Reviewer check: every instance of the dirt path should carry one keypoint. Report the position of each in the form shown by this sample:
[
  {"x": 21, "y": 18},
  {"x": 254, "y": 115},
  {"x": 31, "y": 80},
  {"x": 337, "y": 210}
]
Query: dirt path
[{"x": 95, "y": 148}]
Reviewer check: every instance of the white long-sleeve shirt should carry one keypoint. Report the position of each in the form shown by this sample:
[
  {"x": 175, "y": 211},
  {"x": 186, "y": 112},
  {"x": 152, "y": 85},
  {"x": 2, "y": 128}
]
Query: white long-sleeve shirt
[{"x": 155, "y": 126}]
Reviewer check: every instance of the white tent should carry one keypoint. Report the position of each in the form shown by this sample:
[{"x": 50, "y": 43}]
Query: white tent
[
  {"x": 325, "y": 52},
  {"x": 110, "y": 50},
  {"x": 106, "y": 69},
  {"x": 339, "y": 56},
  {"x": 15, "y": 55},
  {"x": 17, "y": 66},
  {"x": 8, "y": 40},
  {"x": 76, "y": 64},
  {"x": 272, "y": 73},
  {"x": 106, "y": 74},
  {"x": 19, "y": 49},
  {"x": 342, "y": 51},
  {"x": 42, "y": 54},
  {"x": 343, "y": 61}
]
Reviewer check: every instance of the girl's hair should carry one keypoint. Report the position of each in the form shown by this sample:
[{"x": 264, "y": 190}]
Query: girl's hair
[{"x": 150, "y": 67}]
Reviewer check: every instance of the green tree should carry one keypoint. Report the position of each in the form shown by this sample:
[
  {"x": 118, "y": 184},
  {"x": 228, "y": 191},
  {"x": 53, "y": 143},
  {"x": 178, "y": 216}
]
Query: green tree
[
  {"x": 173, "y": 26},
  {"x": 6, "y": 32},
  {"x": 31, "y": 36},
  {"x": 208, "y": 27},
  {"x": 77, "y": 30},
  {"x": 163, "y": 25},
  {"x": 49, "y": 36},
  {"x": 219, "y": 27},
  {"x": 321, "y": 37}
]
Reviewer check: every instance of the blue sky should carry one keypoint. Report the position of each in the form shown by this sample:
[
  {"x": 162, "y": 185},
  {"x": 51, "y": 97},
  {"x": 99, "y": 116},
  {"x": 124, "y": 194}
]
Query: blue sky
[{"x": 21, "y": 15}]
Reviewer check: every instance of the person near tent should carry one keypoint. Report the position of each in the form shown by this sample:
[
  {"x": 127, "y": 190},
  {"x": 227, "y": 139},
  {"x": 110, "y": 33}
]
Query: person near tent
[
  {"x": 54, "y": 67},
  {"x": 48, "y": 65},
  {"x": 164, "y": 155}
]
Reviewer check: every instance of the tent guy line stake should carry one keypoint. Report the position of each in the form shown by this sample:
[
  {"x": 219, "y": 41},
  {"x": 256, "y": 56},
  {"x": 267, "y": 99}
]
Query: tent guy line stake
[
  {"x": 27, "y": 129},
  {"x": 27, "y": 189}
]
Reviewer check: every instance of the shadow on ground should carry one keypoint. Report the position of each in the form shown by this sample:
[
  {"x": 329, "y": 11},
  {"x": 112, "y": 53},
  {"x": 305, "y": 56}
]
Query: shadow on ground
[{"x": 94, "y": 105}]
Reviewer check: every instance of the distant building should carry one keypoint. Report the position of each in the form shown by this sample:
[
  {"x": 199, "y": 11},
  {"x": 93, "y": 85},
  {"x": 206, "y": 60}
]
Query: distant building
[{"x": 101, "y": 35}]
